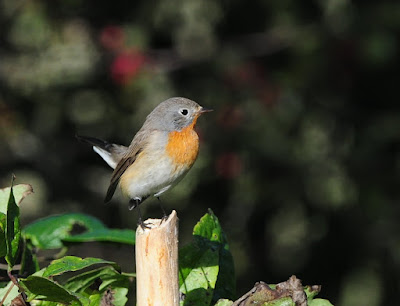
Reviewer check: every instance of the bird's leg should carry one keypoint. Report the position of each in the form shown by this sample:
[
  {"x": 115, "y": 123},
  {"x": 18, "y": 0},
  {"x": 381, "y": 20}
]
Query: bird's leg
[
  {"x": 140, "y": 221},
  {"x": 164, "y": 217},
  {"x": 135, "y": 203}
]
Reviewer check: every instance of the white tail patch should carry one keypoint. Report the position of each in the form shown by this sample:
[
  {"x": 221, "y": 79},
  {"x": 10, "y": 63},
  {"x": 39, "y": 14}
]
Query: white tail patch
[{"x": 107, "y": 156}]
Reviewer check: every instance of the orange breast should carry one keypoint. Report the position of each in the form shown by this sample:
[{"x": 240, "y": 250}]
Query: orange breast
[{"x": 183, "y": 146}]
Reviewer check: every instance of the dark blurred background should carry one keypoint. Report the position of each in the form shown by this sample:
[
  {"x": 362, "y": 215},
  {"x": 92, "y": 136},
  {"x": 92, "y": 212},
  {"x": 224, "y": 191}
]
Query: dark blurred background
[{"x": 300, "y": 159}]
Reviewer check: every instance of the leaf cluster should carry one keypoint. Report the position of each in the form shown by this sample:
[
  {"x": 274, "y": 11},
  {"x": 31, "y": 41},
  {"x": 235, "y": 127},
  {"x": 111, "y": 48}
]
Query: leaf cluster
[
  {"x": 66, "y": 280},
  {"x": 206, "y": 268}
]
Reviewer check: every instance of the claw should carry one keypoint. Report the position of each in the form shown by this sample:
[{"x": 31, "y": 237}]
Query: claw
[
  {"x": 164, "y": 218},
  {"x": 143, "y": 225}
]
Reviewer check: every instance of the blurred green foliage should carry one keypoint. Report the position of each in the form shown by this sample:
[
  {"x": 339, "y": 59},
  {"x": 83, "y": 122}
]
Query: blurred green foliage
[{"x": 300, "y": 159}]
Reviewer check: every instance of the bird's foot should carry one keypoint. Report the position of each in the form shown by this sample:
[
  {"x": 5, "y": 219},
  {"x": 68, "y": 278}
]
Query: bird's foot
[
  {"x": 163, "y": 218},
  {"x": 143, "y": 225}
]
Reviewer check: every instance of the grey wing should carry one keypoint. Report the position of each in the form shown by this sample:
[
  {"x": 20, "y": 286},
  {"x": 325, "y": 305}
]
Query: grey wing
[{"x": 137, "y": 146}]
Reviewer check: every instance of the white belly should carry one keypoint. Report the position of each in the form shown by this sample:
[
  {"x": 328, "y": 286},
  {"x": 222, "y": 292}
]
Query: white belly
[{"x": 149, "y": 176}]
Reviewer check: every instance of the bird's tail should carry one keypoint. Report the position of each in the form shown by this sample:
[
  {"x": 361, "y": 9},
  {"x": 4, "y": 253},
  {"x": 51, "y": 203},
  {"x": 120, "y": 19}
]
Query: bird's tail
[
  {"x": 110, "y": 152},
  {"x": 94, "y": 142}
]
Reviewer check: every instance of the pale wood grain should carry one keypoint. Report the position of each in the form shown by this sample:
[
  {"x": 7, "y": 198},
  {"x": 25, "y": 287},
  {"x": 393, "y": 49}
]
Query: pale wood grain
[{"x": 157, "y": 281}]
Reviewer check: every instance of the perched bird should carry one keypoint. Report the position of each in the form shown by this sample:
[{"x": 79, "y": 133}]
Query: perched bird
[{"x": 159, "y": 156}]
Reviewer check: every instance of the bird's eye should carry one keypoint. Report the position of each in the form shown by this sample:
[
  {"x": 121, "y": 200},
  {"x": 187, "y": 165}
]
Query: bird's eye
[{"x": 184, "y": 111}]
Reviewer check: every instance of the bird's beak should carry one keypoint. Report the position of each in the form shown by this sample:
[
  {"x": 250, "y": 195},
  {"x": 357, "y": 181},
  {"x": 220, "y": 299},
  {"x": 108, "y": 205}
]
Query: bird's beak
[{"x": 205, "y": 110}]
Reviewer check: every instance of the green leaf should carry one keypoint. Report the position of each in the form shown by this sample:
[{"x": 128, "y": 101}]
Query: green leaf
[
  {"x": 285, "y": 301},
  {"x": 3, "y": 245},
  {"x": 198, "y": 277},
  {"x": 47, "y": 303},
  {"x": 119, "y": 295},
  {"x": 311, "y": 291},
  {"x": 49, "y": 232},
  {"x": 117, "y": 288},
  {"x": 84, "y": 280},
  {"x": 105, "y": 235},
  {"x": 114, "y": 296},
  {"x": 29, "y": 262},
  {"x": 320, "y": 302},
  {"x": 95, "y": 299},
  {"x": 206, "y": 266},
  {"x": 41, "y": 288},
  {"x": 72, "y": 263},
  {"x": 113, "y": 283},
  {"x": 11, "y": 295},
  {"x": 13, "y": 229},
  {"x": 226, "y": 285},
  {"x": 223, "y": 302},
  {"x": 20, "y": 192},
  {"x": 209, "y": 228},
  {"x": 191, "y": 257}
]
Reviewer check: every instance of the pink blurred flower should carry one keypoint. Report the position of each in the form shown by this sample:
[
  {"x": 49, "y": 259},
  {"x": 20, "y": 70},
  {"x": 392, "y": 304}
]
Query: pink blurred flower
[{"x": 126, "y": 66}]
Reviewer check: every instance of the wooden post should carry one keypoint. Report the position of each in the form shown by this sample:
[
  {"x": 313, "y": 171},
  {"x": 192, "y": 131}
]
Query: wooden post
[{"x": 157, "y": 281}]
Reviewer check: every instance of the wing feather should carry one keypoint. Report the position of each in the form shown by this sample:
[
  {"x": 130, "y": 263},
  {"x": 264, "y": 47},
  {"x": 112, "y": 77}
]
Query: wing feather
[{"x": 138, "y": 143}]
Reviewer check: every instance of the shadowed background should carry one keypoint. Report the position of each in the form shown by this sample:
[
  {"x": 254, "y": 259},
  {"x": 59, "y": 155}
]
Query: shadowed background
[{"x": 299, "y": 160}]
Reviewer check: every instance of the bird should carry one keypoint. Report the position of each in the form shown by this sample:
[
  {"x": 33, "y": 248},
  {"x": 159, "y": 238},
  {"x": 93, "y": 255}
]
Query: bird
[{"x": 159, "y": 156}]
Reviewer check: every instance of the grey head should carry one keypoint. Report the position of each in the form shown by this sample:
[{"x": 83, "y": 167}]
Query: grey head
[{"x": 174, "y": 114}]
